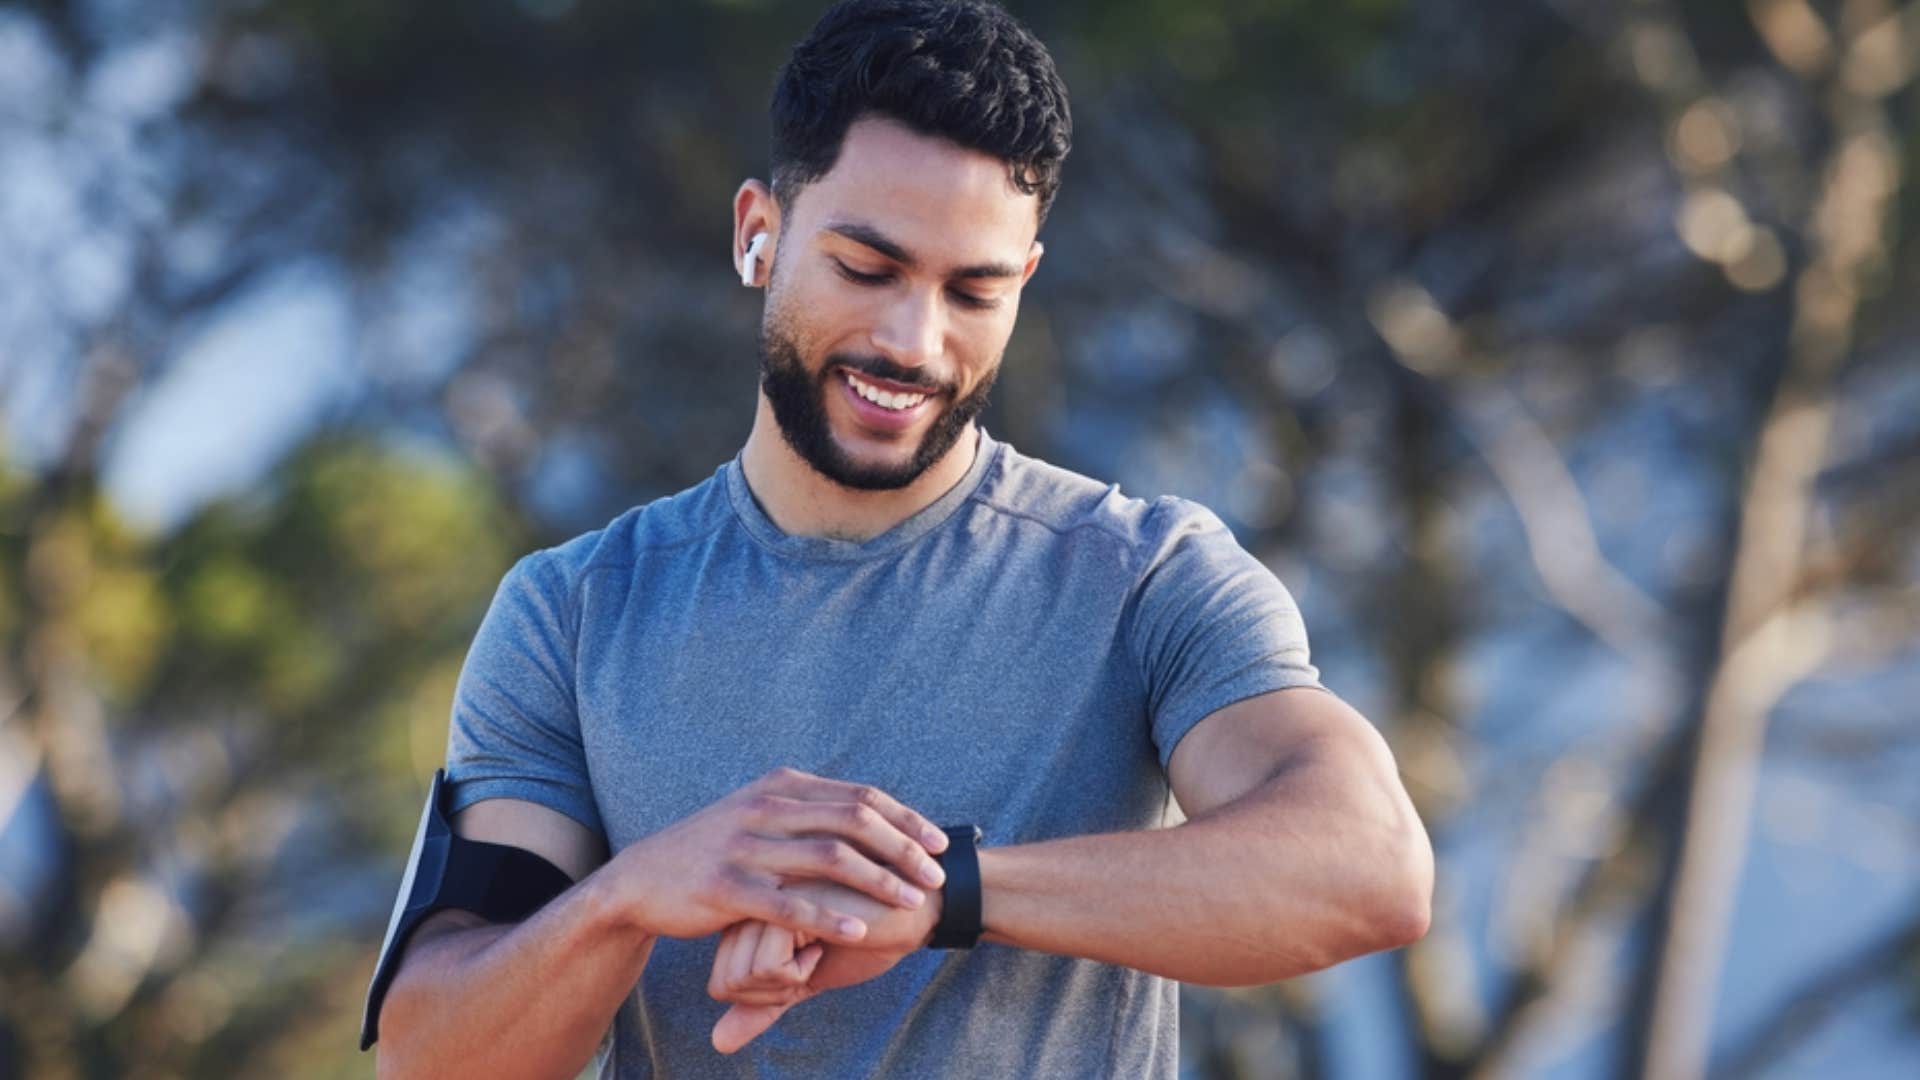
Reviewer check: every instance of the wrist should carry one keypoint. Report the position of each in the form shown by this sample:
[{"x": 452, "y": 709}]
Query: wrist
[
  {"x": 990, "y": 866},
  {"x": 615, "y": 905},
  {"x": 929, "y": 913},
  {"x": 958, "y": 926}
]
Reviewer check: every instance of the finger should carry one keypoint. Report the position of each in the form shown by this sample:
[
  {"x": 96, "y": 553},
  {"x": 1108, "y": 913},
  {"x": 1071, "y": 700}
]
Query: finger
[
  {"x": 833, "y": 859},
  {"x": 752, "y": 900},
  {"x": 864, "y": 827},
  {"x": 781, "y": 985},
  {"x": 742, "y": 1024},
  {"x": 799, "y": 785},
  {"x": 773, "y": 960},
  {"x": 772, "y": 975},
  {"x": 785, "y": 995},
  {"x": 726, "y": 983},
  {"x": 717, "y": 977},
  {"x": 807, "y": 960},
  {"x": 740, "y": 959}
]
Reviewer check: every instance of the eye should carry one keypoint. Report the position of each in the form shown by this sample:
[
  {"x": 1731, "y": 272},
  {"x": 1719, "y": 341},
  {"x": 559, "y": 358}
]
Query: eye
[
  {"x": 964, "y": 299},
  {"x": 972, "y": 302},
  {"x": 857, "y": 277}
]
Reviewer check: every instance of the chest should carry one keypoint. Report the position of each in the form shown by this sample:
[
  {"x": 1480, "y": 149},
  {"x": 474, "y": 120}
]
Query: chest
[{"x": 1003, "y": 699}]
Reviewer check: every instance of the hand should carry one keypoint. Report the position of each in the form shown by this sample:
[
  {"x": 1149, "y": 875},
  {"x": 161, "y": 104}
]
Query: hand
[
  {"x": 726, "y": 864},
  {"x": 765, "y": 970}
]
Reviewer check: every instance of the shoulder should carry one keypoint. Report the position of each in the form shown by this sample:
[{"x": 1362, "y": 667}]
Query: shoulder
[
  {"x": 1068, "y": 503},
  {"x": 663, "y": 524}
]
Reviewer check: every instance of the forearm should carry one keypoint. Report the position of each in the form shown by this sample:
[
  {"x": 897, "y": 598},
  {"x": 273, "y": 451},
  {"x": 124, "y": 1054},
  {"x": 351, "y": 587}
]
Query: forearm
[
  {"x": 533, "y": 999},
  {"x": 1298, "y": 874}
]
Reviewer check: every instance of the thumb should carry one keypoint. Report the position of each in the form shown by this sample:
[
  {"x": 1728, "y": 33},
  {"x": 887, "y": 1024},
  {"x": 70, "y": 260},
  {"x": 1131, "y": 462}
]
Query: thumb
[
  {"x": 741, "y": 1024},
  {"x": 808, "y": 959}
]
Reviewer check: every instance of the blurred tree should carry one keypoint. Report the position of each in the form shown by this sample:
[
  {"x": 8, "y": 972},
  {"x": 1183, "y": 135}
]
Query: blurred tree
[
  {"x": 229, "y": 722},
  {"x": 1553, "y": 352}
]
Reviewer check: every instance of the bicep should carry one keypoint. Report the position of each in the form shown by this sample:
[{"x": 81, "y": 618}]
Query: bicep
[
  {"x": 546, "y": 832},
  {"x": 1236, "y": 749},
  {"x": 1209, "y": 626},
  {"x": 451, "y": 934}
]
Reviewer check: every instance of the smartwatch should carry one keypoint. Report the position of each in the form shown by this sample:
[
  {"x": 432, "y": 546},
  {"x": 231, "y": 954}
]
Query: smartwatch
[{"x": 959, "y": 925}]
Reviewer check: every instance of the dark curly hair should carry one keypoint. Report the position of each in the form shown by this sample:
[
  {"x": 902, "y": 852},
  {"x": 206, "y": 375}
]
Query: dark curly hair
[{"x": 963, "y": 70}]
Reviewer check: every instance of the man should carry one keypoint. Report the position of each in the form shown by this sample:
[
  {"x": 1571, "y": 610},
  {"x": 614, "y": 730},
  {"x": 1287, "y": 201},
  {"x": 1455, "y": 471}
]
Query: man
[{"x": 734, "y": 715}]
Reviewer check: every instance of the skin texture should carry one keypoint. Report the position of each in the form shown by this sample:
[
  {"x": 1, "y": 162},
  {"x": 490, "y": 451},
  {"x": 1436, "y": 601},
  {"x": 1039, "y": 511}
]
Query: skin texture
[
  {"x": 964, "y": 237},
  {"x": 533, "y": 999},
  {"x": 799, "y": 402},
  {"x": 1302, "y": 849}
]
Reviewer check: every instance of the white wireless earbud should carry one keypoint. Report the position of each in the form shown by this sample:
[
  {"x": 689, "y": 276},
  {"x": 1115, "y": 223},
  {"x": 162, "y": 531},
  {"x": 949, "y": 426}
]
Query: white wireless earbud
[{"x": 747, "y": 269}]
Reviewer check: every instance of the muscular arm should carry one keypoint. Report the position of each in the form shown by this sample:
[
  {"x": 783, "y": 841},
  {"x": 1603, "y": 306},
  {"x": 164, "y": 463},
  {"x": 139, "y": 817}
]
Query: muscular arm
[
  {"x": 535, "y": 998},
  {"x": 530, "y": 999},
  {"x": 1301, "y": 850}
]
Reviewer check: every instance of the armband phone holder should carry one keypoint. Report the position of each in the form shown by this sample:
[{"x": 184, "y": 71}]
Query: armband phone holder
[{"x": 494, "y": 881}]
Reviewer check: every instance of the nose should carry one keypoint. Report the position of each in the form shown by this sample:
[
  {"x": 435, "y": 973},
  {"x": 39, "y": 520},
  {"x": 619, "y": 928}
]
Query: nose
[{"x": 912, "y": 330}]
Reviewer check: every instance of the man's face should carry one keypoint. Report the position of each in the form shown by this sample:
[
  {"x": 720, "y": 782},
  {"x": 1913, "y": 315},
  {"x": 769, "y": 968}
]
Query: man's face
[{"x": 897, "y": 277}]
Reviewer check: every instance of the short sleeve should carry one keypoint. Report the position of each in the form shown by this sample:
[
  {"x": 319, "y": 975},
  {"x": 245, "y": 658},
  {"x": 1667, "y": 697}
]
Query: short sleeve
[
  {"x": 1209, "y": 624},
  {"x": 515, "y": 731}
]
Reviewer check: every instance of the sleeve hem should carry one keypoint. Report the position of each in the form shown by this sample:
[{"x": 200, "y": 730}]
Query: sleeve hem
[
  {"x": 554, "y": 797},
  {"x": 1190, "y": 718}
]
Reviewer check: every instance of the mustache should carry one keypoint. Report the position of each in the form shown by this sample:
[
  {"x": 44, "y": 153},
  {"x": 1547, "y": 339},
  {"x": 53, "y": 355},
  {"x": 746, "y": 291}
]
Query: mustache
[{"x": 881, "y": 368}]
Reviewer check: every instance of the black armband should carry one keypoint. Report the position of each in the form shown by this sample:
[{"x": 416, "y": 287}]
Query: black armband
[{"x": 494, "y": 881}]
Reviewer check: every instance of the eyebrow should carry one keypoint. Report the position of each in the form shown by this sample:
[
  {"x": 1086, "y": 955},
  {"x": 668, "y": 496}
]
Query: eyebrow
[{"x": 871, "y": 237}]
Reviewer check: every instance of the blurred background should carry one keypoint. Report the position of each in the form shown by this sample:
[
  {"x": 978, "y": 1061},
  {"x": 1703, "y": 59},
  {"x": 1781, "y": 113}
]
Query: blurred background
[{"x": 1562, "y": 356}]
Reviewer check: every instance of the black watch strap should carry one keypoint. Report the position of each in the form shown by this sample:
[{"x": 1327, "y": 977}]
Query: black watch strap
[{"x": 959, "y": 926}]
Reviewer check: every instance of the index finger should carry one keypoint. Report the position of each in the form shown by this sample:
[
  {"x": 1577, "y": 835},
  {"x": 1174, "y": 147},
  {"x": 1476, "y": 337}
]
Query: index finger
[{"x": 799, "y": 785}]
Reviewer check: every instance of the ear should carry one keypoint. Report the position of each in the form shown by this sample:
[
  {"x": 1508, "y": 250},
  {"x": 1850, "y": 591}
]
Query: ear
[
  {"x": 755, "y": 211},
  {"x": 1033, "y": 261}
]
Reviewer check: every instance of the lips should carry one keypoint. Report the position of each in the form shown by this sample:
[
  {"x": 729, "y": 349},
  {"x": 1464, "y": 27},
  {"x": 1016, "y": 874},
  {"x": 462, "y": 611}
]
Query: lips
[
  {"x": 879, "y": 417},
  {"x": 883, "y": 396}
]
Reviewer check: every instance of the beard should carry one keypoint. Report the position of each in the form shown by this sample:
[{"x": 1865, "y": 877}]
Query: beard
[{"x": 799, "y": 402}]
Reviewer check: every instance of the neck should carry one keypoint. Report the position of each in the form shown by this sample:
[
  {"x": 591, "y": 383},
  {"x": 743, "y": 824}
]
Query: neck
[{"x": 804, "y": 503}]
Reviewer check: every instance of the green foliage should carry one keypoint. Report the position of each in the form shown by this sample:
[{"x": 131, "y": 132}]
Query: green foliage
[
  {"x": 317, "y": 626},
  {"x": 361, "y": 580},
  {"x": 1306, "y": 187}
]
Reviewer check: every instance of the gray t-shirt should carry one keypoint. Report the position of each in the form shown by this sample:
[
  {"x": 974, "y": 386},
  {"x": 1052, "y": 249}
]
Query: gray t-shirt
[{"x": 1024, "y": 653}]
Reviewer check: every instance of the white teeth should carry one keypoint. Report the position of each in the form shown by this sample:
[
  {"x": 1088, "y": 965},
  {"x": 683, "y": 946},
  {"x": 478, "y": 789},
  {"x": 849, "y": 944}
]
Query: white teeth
[{"x": 883, "y": 398}]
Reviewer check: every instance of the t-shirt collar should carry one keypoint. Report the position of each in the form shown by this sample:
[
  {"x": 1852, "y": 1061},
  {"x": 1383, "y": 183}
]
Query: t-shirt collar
[{"x": 747, "y": 509}]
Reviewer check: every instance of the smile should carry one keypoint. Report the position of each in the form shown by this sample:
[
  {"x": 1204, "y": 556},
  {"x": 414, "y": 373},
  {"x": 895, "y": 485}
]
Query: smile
[{"x": 884, "y": 399}]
